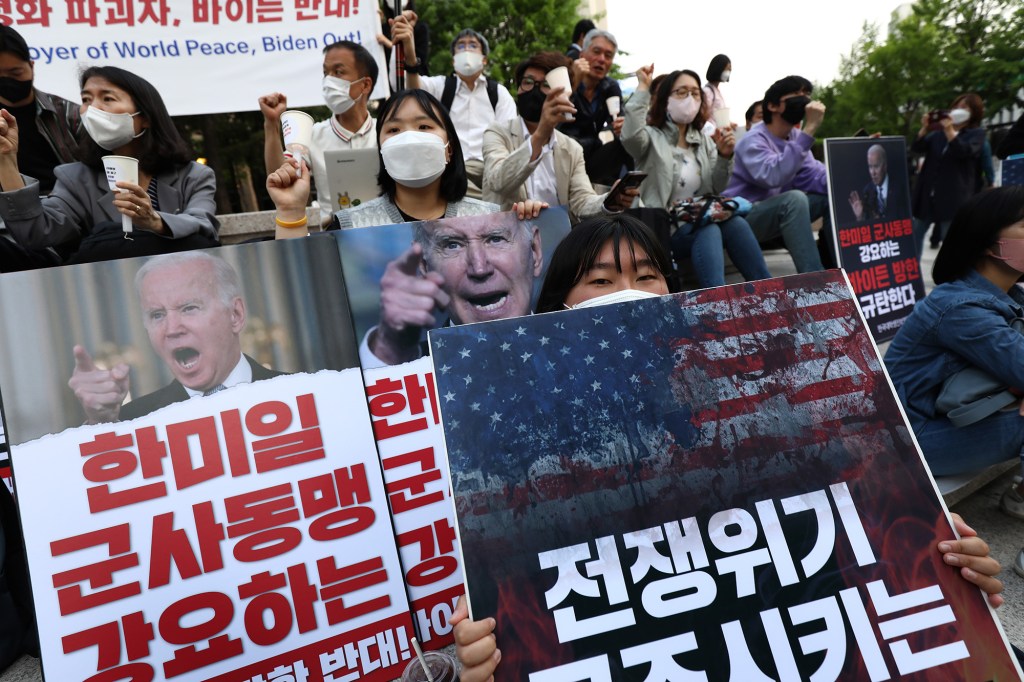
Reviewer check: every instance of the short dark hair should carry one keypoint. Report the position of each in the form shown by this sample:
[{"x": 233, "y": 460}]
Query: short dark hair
[
  {"x": 716, "y": 67},
  {"x": 11, "y": 41},
  {"x": 975, "y": 229},
  {"x": 545, "y": 61},
  {"x": 779, "y": 89},
  {"x": 163, "y": 147},
  {"x": 582, "y": 28},
  {"x": 470, "y": 33},
  {"x": 659, "y": 105},
  {"x": 365, "y": 62},
  {"x": 453, "y": 180},
  {"x": 975, "y": 105},
  {"x": 751, "y": 109},
  {"x": 578, "y": 251}
]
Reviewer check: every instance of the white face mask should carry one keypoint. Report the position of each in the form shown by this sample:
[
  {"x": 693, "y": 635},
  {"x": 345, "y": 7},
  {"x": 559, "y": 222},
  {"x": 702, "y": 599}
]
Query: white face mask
[
  {"x": 725, "y": 76},
  {"x": 468, "y": 63},
  {"x": 414, "y": 158},
  {"x": 960, "y": 116},
  {"x": 614, "y": 297},
  {"x": 110, "y": 131},
  {"x": 336, "y": 94},
  {"x": 683, "y": 111}
]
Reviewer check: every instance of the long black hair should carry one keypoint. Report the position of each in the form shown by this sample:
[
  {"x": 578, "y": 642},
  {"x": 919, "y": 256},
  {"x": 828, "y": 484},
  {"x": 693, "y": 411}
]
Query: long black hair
[
  {"x": 453, "y": 180},
  {"x": 975, "y": 229},
  {"x": 575, "y": 255},
  {"x": 162, "y": 147}
]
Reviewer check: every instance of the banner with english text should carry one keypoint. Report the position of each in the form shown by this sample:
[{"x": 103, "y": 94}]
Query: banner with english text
[{"x": 204, "y": 56}]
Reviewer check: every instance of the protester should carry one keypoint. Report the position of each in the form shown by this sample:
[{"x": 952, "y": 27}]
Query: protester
[
  {"x": 1013, "y": 143},
  {"x": 194, "y": 314},
  {"x": 949, "y": 175},
  {"x": 719, "y": 71},
  {"x": 350, "y": 73},
  {"x": 594, "y": 87},
  {"x": 579, "y": 32},
  {"x": 474, "y": 100},
  {"x": 775, "y": 169},
  {"x": 754, "y": 114},
  {"x": 172, "y": 208},
  {"x": 681, "y": 163},
  {"x": 528, "y": 157}
]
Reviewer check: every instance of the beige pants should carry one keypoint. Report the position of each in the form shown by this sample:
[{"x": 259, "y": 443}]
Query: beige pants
[{"x": 475, "y": 175}]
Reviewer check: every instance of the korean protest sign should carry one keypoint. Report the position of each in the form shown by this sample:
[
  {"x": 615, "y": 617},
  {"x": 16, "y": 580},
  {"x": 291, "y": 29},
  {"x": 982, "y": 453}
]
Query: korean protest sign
[
  {"x": 870, "y": 204},
  {"x": 714, "y": 485},
  {"x": 205, "y": 56},
  {"x": 228, "y": 521},
  {"x": 491, "y": 265}
]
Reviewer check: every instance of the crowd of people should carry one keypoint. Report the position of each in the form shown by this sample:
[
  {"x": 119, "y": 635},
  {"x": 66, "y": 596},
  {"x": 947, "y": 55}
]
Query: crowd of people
[{"x": 460, "y": 144}]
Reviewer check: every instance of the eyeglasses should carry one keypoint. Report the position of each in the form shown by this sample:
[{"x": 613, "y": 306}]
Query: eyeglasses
[
  {"x": 528, "y": 82},
  {"x": 471, "y": 45},
  {"x": 680, "y": 93}
]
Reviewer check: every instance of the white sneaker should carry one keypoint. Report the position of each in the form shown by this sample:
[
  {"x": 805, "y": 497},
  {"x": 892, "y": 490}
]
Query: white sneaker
[
  {"x": 1012, "y": 502},
  {"x": 1018, "y": 565}
]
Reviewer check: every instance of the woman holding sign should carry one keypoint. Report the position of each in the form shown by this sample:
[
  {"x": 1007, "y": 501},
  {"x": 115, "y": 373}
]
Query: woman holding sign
[{"x": 170, "y": 208}]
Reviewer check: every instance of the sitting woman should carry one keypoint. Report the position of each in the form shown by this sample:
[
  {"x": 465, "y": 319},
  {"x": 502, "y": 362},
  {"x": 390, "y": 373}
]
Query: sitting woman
[
  {"x": 171, "y": 208},
  {"x": 422, "y": 173},
  {"x": 605, "y": 255},
  {"x": 682, "y": 163}
]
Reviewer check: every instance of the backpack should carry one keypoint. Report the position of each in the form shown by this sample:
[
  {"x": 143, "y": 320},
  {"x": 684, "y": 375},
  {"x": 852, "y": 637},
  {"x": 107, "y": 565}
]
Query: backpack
[
  {"x": 448, "y": 96},
  {"x": 17, "y": 621}
]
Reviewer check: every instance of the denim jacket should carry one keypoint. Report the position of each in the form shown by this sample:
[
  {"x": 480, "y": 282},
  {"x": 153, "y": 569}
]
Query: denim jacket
[{"x": 960, "y": 324}]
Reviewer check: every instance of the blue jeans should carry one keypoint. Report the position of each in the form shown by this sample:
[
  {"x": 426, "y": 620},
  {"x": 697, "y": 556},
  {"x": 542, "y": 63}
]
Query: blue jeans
[
  {"x": 787, "y": 215},
  {"x": 704, "y": 248},
  {"x": 817, "y": 205},
  {"x": 921, "y": 229},
  {"x": 950, "y": 450}
]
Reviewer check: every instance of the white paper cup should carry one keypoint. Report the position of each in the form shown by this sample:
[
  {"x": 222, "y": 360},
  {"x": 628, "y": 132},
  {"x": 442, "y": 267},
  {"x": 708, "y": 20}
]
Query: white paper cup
[
  {"x": 721, "y": 117},
  {"x": 121, "y": 169},
  {"x": 558, "y": 77},
  {"x": 297, "y": 128},
  {"x": 614, "y": 104}
]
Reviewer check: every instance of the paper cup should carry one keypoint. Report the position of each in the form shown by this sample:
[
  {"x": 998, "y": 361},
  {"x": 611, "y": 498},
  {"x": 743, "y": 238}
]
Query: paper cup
[
  {"x": 121, "y": 169},
  {"x": 443, "y": 668},
  {"x": 614, "y": 105},
  {"x": 558, "y": 77},
  {"x": 721, "y": 117},
  {"x": 297, "y": 128}
]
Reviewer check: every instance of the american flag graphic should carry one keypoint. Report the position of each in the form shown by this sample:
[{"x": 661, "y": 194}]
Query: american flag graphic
[{"x": 576, "y": 425}]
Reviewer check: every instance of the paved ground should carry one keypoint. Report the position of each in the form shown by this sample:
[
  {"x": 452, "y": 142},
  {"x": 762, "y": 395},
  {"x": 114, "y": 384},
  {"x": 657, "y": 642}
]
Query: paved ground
[{"x": 981, "y": 510}]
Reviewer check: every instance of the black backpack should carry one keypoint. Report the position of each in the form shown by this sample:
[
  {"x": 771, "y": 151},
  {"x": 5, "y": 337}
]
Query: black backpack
[
  {"x": 17, "y": 620},
  {"x": 450, "y": 83}
]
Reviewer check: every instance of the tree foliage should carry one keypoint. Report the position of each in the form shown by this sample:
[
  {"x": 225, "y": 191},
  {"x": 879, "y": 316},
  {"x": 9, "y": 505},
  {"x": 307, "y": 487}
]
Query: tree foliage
[
  {"x": 515, "y": 29},
  {"x": 943, "y": 49}
]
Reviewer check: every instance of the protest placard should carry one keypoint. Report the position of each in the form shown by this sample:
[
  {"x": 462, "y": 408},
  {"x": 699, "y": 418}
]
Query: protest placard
[
  {"x": 870, "y": 204},
  {"x": 229, "y": 520},
  {"x": 713, "y": 485},
  {"x": 236, "y": 50},
  {"x": 492, "y": 256}
]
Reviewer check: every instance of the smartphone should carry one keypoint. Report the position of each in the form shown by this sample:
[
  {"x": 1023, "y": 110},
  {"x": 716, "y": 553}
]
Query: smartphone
[
  {"x": 630, "y": 179},
  {"x": 935, "y": 118}
]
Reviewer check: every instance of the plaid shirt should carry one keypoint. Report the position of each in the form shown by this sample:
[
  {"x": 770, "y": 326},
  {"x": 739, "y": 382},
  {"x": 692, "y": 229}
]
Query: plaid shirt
[{"x": 59, "y": 121}]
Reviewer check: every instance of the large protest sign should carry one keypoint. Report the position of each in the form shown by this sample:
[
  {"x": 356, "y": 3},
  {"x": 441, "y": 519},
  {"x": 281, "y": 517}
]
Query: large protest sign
[
  {"x": 870, "y": 204},
  {"x": 241, "y": 533},
  {"x": 482, "y": 255},
  {"x": 714, "y": 485},
  {"x": 233, "y": 51}
]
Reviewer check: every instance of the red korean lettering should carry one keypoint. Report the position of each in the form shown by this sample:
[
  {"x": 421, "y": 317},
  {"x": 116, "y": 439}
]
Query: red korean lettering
[
  {"x": 219, "y": 647},
  {"x": 70, "y": 596}
]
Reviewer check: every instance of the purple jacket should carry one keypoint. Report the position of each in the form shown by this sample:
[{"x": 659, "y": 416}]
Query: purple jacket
[{"x": 764, "y": 165}]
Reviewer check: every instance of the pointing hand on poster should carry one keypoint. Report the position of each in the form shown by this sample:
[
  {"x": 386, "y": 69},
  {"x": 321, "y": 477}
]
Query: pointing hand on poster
[
  {"x": 408, "y": 297},
  {"x": 100, "y": 391},
  {"x": 475, "y": 644}
]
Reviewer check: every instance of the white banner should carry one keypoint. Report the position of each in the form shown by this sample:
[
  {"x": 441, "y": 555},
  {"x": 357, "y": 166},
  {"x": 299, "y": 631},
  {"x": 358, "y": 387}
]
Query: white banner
[{"x": 204, "y": 56}]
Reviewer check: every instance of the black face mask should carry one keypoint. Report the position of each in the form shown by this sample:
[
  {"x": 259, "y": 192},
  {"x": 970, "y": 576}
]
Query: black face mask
[
  {"x": 794, "y": 111},
  {"x": 530, "y": 104},
  {"x": 14, "y": 90}
]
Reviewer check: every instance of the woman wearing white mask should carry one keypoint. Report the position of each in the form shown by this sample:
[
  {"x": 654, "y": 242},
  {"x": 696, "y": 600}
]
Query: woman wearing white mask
[
  {"x": 952, "y": 154},
  {"x": 171, "y": 208},
  {"x": 681, "y": 162},
  {"x": 422, "y": 173},
  {"x": 719, "y": 71}
]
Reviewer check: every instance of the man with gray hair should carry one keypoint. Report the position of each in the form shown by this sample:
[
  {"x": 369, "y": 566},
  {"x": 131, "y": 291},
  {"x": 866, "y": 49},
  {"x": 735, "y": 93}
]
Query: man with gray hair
[
  {"x": 879, "y": 199},
  {"x": 604, "y": 160},
  {"x": 194, "y": 313}
]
